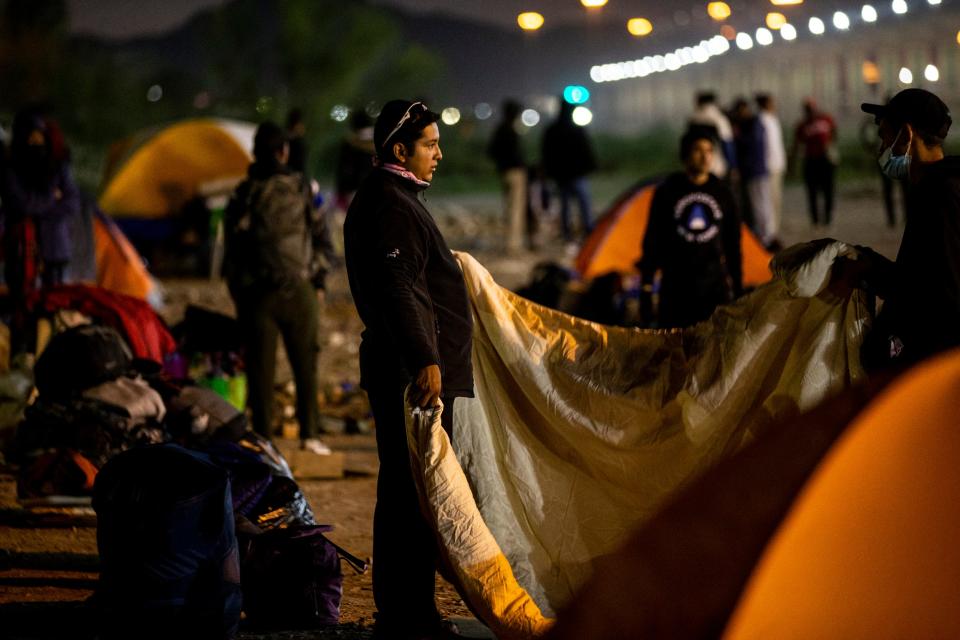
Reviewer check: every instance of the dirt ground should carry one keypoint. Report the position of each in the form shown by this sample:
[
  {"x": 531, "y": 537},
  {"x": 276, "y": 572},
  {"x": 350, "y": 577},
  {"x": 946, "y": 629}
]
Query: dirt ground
[{"x": 47, "y": 571}]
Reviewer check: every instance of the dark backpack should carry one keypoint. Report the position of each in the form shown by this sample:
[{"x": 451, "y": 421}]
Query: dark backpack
[
  {"x": 268, "y": 237},
  {"x": 169, "y": 566},
  {"x": 291, "y": 578}
]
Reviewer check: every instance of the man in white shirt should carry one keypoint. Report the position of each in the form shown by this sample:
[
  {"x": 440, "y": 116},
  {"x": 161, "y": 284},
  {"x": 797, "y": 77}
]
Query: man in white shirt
[{"x": 776, "y": 156}]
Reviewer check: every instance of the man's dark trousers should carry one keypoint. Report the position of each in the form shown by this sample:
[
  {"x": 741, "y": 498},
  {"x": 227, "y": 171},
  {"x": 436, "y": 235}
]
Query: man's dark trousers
[
  {"x": 291, "y": 312},
  {"x": 405, "y": 552}
]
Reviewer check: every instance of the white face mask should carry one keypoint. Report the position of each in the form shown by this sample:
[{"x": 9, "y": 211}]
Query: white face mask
[{"x": 895, "y": 167}]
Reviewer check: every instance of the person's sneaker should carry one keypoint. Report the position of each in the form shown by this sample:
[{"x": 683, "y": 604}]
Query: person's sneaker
[{"x": 315, "y": 445}]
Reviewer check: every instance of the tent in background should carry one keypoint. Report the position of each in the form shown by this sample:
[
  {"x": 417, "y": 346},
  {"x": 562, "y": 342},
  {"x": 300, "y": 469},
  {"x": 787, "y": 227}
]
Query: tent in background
[
  {"x": 119, "y": 267},
  {"x": 615, "y": 242},
  {"x": 167, "y": 188},
  {"x": 153, "y": 175},
  {"x": 103, "y": 255}
]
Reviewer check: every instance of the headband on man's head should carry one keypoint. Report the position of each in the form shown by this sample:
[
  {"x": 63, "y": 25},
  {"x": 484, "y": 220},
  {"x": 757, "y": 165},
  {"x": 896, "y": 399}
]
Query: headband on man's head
[{"x": 400, "y": 115}]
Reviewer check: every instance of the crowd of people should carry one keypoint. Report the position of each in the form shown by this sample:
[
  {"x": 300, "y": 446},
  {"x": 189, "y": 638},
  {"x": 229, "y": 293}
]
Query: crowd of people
[
  {"x": 408, "y": 287},
  {"x": 411, "y": 298}
]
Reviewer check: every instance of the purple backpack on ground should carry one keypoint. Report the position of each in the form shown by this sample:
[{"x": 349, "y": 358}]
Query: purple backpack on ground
[{"x": 291, "y": 578}]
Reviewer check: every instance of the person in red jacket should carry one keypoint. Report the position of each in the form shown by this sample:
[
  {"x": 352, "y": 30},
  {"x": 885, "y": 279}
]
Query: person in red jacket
[{"x": 817, "y": 134}]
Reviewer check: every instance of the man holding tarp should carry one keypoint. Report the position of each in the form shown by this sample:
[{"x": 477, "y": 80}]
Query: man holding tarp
[
  {"x": 410, "y": 295},
  {"x": 921, "y": 290}
]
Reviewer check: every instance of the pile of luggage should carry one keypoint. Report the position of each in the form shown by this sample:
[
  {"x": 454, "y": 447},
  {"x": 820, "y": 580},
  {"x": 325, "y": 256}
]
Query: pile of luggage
[{"x": 198, "y": 516}]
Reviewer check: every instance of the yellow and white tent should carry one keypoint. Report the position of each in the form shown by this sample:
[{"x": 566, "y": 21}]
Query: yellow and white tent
[{"x": 153, "y": 174}]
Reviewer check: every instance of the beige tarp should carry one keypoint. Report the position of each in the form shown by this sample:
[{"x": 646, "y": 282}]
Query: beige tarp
[{"x": 579, "y": 431}]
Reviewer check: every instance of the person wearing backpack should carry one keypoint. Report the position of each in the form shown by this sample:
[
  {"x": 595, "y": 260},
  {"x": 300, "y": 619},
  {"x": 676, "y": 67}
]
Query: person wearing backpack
[{"x": 275, "y": 271}]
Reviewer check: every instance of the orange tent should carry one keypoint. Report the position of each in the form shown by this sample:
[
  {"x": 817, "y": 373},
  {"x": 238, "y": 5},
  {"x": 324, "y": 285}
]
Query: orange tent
[
  {"x": 615, "y": 243},
  {"x": 119, "y": 267},
  {"x": 836, "y": 523},
  {"x": 869, "y": 549}
]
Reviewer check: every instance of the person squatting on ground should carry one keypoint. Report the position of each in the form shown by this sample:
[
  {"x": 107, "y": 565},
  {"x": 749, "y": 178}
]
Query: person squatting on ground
[
  {"x": 275, "y": 271},
  {"x": 921, "y": 289},
  {"x": 41, "y": 201},
  {"x": 506, "y": 152},
  {"x": 568, "y": 159},
  {"x": 692, "y": 238},
  {"x": 817, "y": 134},
  {"x": 410, "y": 295}
]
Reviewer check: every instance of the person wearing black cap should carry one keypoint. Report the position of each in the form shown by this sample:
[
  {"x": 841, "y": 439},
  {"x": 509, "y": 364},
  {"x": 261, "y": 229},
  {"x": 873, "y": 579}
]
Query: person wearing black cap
[
  {"x": 410, "y": 295},
  {"x": 275, "y": 242},
  {"x": 921, "y": 289}
]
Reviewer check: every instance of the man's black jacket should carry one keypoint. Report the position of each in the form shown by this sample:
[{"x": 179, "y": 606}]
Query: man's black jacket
[
  {"x": 407, "y": 286},
  {"x": 921, "y": 290}
]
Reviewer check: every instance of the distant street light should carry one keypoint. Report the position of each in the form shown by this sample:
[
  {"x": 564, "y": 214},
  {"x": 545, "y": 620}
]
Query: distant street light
[
  {"x": 776, "y": 20},
  {"x": 906, "y": 76},
  {"x": 816, "y": 26},
  {"x": 764, "y": 37},
  {"x": 582, "y": 116},
  {"x": 788, "y": 32},
  {"x": 841, "y": 21},
  {"x": 483, "y": 111},
  {"x": 530, "y": 20},
  {"x": 719, "y": 11},
  {"x": 785, "y": 3},
  {"x": 639, "y": 26},
  {"x": 450, "y": 116},
  {"x": 899, "y": 6},
  {"x": 593, "y": 4},
  {"x": 576, "y": 94},
  {"x": 868, "y": 13},
  {"x": 931, "y": 73}
]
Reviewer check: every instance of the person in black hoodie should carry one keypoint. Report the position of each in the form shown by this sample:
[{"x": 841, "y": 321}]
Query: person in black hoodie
[
  {"x": 507, "y": 153},
  {"x": 692, "y": 239},
  {"x": 275, "y": 242},
  {"x": 921, "y": 289},
  {"x": 567, "y": 159},
  {"x": 409, "y": 291}
]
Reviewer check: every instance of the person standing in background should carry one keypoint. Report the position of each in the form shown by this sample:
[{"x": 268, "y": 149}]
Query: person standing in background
[
  {"x": 752, "y": 159},
  {"x": 692, "y": 239},
  {"x": 706, "y": 113},
  {"x": 568, "y": 159},
  {"x": 817, "y": 134},
  {"x": 297, "y": 141},
  {"x": 776, "y": 160},
  {"x": 40, "y": 201},
  {"x": 275, "y": 272},
  {"x": 355, "y": 158},
  {"x": 506, "y": 152}
]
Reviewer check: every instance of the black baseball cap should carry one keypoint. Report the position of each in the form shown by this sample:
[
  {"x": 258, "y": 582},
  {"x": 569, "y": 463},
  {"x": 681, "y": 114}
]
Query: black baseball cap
[
  {"x": 401, "y": 115},
  {"x": 919, "y": 108}
]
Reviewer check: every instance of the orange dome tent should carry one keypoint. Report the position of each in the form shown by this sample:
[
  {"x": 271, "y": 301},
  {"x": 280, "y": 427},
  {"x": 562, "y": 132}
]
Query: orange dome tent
[
  {"x": 836, "y": 523},
  {"x": 615, "y": 242}
]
